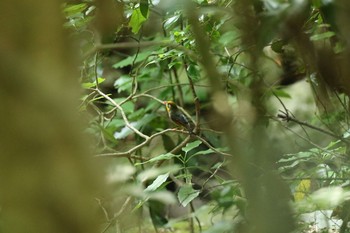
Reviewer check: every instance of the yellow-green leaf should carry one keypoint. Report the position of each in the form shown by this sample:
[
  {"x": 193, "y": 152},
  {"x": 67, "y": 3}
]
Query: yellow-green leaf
[{"x": 136, "y": 21}]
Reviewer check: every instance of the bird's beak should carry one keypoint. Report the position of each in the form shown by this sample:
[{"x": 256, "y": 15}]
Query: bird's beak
[{"x": 164, "y": 102}]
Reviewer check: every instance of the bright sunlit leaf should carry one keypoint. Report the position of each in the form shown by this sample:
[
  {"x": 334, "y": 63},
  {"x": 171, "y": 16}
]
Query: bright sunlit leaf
[{"x": 137, "y": 19}]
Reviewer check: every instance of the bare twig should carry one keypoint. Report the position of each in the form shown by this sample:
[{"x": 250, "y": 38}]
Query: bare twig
[
  {"x": 195, "y": 97},
  {"x": 309, "y": 141},
  {"x": 123, "y": 114},
  {"x": 286, "y": 117},
  {"x": 117, "y": 215},
  {"x": 148, "y": 96},
  {"x": 211, "y": 147},
  {"x": 211, "y": 176},
  {"x": 176, "y": 149},
  {"x": 99, "y": 202},
  {"x": 174, "y": 84},
  {"x": 128, "y": 153},
  {"x": 124, "y": 45},
  {"x": 195, "y": 217},
  {"x": 286, "y": 111}
]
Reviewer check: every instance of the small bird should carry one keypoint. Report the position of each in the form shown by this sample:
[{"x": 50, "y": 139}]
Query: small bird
[{"x": 178, "y": 116}]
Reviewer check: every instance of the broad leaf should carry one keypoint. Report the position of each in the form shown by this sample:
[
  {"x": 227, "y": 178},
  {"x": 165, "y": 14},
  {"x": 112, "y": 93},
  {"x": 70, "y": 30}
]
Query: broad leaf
[
  {"x": 157, "y": 182},
  {"x": 144, "y": 7},
  {"x": 166, "y": 156},
  {"x": 133, "y": 59},
  {"x": 204, "y": 152},
  {"x": 155, "y": 172},
  {"x": 281, "y": 93},
  {"x": 124, "y": 132},
  {"x": 137, "y": 19},
  {"x": 171, "y": 21},
  {"x": 322, "y": 36},
  {"x": 93, "y": 84},
  {"x": 191, "y": 145},
  {"x": 186, "y": 195},
  {"x": 74, "y": 9},
  {"x": 123, "y": 83}
]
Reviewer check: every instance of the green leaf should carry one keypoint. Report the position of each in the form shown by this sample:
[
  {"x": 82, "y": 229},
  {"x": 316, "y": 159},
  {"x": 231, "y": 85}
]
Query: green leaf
[
  {"x": 155, "y": 172},
  {"x": 126, "y": 131},
  {"x": 204, "y": 152},
  {"x": 186, "y": 195},
  {"x": 156, "y": 210},
  {"x": 144, "y": 8},
  {"x": 227, "y": 38},
  {"x": 70, "y": 10},
  {"x": 171, "y": 21},
  {"x": 123, "y": 83},
  {"x": 281, "y": 93},
  {"x": 107, "y": 134},
  {"x": 166, "y": 156},
  {"x": 277, "y": 46},
  {"x": 322, "y": 36},
  {"x": 131, "y": 59},
  {"x": 138, "y": 114},
  {"x": 193, "y": 72},
  {"x": 137, "y": 19},
  {"x": 191, "y": 145},
  {"x": 128, "y": 107},
  {"x": 93, "y": 84},
  {"x": 157, "y": 182}
]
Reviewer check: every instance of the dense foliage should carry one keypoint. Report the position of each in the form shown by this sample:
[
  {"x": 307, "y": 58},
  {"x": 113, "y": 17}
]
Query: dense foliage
[{"x": 266, "y": 85}]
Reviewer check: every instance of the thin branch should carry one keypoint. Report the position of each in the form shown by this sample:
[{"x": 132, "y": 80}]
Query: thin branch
[
  {"x": 309, "y": 141},
  {"x": 286, "y": 117},
  {"x": 211, "y": 130},
  {"x": 211, "y": 176},
  {"x": 95, "y": 70},
  {"x": 117, "y": 215},
  {"x": 174, "y": 84},
  {"x": 173, "y": 68},
  {"x": 88, "y": 98},
  {"x": 127, "y": 123},
  {"x": 211, "y": 147},
  {"x": 175, "y": 150},
  {"x": 99, "y": 202},
  {"x": 177, "y": 80},
  {"x": 287, "y": 112},
  {"x": 313, "y": 178},
  {"x": 195, "y": 97},
  {"x": 125, "y": 45},
  {"x": 128, "y": 153},
  {"x": 148, "y": 96},
  {"x": 195, "y": 217}
]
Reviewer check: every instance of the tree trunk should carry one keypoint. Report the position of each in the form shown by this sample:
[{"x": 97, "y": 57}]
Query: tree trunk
[{"x": 47, "y": 178}]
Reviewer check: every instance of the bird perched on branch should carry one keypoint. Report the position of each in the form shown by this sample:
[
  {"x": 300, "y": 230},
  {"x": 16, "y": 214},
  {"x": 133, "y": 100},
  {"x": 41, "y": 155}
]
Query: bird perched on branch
[{"x": 178, "y": 116}]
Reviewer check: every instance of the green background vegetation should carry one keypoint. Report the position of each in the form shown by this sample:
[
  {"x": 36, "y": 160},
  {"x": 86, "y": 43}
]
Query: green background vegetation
[{"x": 87, "y": 145}]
